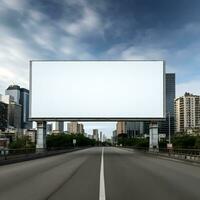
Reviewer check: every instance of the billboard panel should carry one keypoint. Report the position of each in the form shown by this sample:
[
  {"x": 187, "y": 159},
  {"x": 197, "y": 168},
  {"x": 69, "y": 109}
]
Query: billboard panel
[{"x": 97, "y": 90}]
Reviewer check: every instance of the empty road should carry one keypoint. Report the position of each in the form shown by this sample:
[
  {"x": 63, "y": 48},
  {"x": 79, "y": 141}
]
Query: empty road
[{"x": 98, "y": 174}]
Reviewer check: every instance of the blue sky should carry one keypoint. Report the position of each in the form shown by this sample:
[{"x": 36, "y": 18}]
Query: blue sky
[{"x": 106, "y": 29}]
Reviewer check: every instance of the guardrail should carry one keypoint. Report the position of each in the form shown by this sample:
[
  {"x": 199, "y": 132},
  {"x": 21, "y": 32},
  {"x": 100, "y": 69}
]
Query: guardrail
[
  {"x": 178, "y": 153},
  {"x": 16, "y": 155}
]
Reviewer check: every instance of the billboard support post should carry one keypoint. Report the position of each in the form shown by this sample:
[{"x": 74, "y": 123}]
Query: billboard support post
[
  {"x": 153, "y": 136},
  {"x": 41, "y": 136}
]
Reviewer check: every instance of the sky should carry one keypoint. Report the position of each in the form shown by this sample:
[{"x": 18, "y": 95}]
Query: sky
[{"x": 104, "y": 29}]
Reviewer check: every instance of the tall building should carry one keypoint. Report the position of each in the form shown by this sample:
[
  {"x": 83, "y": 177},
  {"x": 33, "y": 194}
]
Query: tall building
[
  {"x": 24, "y": 101},
  {"x": 134, "y": 129},
  {"x": 95, "y": 134},
  {"x": 114, "y": 137},
  {"x": 163, "y": 127},
  {"x": 59, "y": 126},
  {"x": 21, "y": 97},
  {"x": 121, "y": 127},
  {"x": 49, "y": 128},
  {"x": 3, "y": 116},
  {"x": 14, "y": 111},
  {"x": 80, "y": 128},
  {"x": 131, "y": 129},
  {"x": 187, "y": 112},
  {"x": 101, "y": 138},
  {"x": 75, "y": 127},
  {"x": 72, "y": 127},
  {"x": 14, "y": 91}
]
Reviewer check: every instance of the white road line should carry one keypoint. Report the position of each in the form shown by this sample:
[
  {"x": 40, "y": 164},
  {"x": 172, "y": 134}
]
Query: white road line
[{"x": 102, "y": 194}]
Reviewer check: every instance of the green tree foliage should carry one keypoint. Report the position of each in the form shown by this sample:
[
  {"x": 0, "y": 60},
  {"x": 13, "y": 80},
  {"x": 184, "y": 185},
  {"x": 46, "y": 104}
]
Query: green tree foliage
[
  {"x": 66, "y": 140},
  {"x": 184, "y": 141},
  {"x": 180, "y": 141},
  {"x": 197, "y": 143},
  {"x": 21, "y": 143},
  {"x": 136, "y": 142}
]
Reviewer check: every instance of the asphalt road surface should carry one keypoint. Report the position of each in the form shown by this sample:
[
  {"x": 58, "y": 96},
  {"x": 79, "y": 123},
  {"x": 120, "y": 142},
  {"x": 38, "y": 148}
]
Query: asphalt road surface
[{"x": 98, "y": 174}]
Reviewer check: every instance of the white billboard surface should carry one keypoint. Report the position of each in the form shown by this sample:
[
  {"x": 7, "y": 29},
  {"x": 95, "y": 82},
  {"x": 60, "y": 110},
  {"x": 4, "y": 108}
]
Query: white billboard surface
[{"x": 97, "y": 90}]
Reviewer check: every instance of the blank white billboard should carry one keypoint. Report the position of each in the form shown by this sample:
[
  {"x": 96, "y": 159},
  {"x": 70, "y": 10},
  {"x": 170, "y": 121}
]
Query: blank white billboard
[{"x": 97, "y": 90}]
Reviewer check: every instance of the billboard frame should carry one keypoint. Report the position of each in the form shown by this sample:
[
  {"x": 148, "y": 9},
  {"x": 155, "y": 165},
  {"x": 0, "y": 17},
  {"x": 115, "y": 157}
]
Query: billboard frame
[{"x": 96, "y": 119}]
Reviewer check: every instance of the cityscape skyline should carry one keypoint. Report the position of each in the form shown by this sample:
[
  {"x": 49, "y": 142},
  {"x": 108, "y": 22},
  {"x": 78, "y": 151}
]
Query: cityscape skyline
[{"x": 80, "y": 29}]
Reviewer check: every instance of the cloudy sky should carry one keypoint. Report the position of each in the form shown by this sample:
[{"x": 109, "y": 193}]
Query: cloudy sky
[{"x": 104, "y": 29}]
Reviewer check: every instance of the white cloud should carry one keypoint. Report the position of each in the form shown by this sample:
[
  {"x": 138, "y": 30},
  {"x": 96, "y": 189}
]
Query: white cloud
[
  {"x": 41, "y": 39},
  {"x": 192, "y": 86},
  {"x": 123, "y": 51},
  {"x": 17, "y": 5},
  {"x": 89, "y": 22}
]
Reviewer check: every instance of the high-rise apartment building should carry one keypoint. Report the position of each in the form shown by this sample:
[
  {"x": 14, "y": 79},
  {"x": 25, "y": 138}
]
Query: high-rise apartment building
[
  {"x": 187, "y": 112},
  {"x": 121, "y": 127},
  {"x": 75, "y": 127}
]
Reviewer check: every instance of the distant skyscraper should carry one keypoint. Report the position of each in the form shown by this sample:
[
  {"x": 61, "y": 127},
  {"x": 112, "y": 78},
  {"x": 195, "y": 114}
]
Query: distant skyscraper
[
  {"x": 101, "y": 139},
  {"x": 14, "y": 91},
  {"x": 95, "y": 134},
  {"x": 21, "y": 96},
  {"x": 24, "y": 101},
  {"x": 80, "y": 128},
  {"x": 14, "y": 112},
  {"x": 114, "y": 137},
  {"x": 187, "y": 112},
  {"x": 59, "y": 126},
  {"x": 104, "y": 138},
  {"x": 170, "y": 97}
]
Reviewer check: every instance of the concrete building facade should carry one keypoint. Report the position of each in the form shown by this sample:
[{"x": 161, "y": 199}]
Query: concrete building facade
[
  {"x": 75, "y": 128},
  {"x": 121, "y": 127},
  {"x": 187, "y": 112}
]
